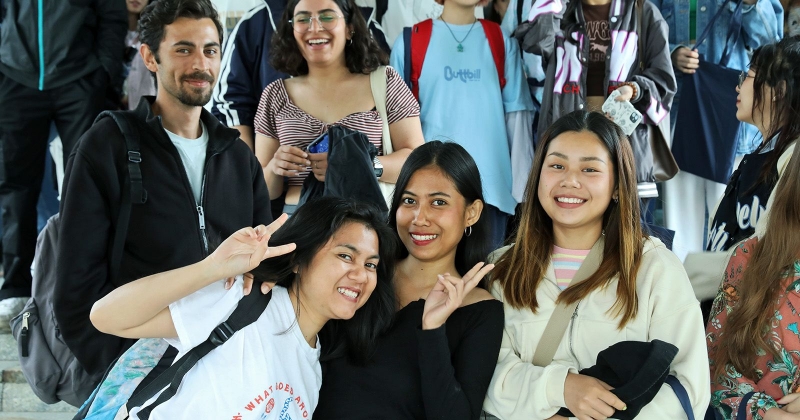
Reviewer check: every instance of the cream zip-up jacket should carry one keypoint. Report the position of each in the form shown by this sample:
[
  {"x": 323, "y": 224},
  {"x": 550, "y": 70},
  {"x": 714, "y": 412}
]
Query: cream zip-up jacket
[{"x": 668, "y": 311}]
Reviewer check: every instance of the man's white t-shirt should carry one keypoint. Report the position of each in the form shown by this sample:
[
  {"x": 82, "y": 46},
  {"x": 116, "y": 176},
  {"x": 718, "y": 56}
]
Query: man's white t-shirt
[
  {"x": 193, "y": 155},
  {"x": 266, "y": 370}
]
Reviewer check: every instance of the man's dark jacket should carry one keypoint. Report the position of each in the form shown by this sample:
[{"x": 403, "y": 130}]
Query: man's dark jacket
[
  {"x": 164, "y": 232},
  {"x": 68, "y": 40}
]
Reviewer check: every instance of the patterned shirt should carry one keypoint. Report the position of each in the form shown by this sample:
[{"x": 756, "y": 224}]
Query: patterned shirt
[
  {"x": 280, "y": 119},
  {"x": 566, "y": 263},
  {"x": 776, "y": 377}
]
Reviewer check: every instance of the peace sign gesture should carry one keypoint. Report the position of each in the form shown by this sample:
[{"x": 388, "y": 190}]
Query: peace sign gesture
[
  {"x": 246, "y": 248},
  {"x": 448, "y": 294}
]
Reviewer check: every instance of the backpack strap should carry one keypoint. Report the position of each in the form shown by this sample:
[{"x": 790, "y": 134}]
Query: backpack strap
[
  {"x": 407, "y": 56},
  {"x": 381, "y": 6},
  {"x": 247, "y": 311},
  {"x": 683, "y": 396},
  {"x": 498, "y": 46},
  {"x": 135, "y": 194},
  {"x": 519, "y": 13},
  {"x": 420, "y": 38}
]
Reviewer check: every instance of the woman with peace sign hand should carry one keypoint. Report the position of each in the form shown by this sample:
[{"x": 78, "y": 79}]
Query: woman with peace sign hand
[
  {"x": 328, "y": 267},
  {"x": 437, "y": 359}
]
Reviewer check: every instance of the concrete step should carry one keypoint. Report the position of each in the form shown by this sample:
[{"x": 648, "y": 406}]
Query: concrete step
[
  {"x": 8, "y": 348},
  {"x": 35, "y": 416},
  {"x": 20, "y": 398}
]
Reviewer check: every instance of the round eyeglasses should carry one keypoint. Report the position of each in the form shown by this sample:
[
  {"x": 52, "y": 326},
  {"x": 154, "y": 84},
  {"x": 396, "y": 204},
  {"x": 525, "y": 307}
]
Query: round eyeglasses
[
  {"x": 326, "y": 20},
  {"x": 742, "y": 76}
]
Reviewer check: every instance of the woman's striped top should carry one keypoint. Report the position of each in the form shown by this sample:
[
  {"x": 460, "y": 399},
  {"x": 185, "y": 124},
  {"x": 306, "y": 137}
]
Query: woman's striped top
[
  {"x": 279, "y": 118},
  {"x": 566, "y": 263}
]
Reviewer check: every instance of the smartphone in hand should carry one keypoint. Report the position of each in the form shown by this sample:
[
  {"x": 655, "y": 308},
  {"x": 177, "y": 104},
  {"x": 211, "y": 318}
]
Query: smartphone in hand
[
  {"x": 622, "y": 112},
  {"x": 319, "y": 145}
]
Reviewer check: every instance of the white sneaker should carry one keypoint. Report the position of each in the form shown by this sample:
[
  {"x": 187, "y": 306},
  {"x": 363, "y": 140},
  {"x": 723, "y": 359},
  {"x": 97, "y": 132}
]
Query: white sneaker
[{"x": 9, "y": 308}]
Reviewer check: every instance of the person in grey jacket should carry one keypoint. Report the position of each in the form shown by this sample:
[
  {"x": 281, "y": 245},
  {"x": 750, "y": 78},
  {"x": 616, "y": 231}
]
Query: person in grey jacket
[
  {"x": 57, "y": 58},
  {"x": 587, "y": 59}
]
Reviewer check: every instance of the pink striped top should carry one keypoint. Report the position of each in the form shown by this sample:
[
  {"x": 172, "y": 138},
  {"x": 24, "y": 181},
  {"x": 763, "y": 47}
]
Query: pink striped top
[
  {"x": 279, "y": 118},
  {"x": 566, "y": 263}
]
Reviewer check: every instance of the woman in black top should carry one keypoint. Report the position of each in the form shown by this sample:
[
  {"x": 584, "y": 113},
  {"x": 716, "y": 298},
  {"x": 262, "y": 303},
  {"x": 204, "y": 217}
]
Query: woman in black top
[
  {"x": 769, "y": 98},
  {"x": 437, "y": 359}
]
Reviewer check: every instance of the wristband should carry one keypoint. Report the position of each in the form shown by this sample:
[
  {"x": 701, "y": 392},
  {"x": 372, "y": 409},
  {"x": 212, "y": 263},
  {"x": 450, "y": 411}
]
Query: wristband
[{"x": 633, "y": 87}]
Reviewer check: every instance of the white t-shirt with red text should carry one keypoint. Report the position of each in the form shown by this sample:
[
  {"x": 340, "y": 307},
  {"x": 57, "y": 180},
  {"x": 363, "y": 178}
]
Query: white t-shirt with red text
[{"x": 265, "y": 371}]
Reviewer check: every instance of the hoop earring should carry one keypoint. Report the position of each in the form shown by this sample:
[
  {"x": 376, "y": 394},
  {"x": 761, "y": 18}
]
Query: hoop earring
[
  {"x": 350, "y": 41},
  {"x": 468, "y": 231}
]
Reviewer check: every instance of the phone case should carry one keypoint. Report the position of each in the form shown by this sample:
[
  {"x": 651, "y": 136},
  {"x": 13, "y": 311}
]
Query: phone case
[
  {"x": 622, "y": 112},
  {"x": 319, "y": 145}
]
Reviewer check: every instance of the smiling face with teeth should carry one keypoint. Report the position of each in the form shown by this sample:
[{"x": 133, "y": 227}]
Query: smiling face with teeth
[
  {"x": 432, "y": 215},
  {"x": 341, "y": 276},
  {"x": 318, "y": 45},
  {"x": 576, "y": 186}
]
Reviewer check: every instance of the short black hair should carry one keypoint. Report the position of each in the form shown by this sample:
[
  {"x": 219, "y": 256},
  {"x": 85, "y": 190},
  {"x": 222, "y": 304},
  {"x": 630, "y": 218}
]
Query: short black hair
[
  {"x": 362, "y": 55},
  {"x": 157, "y": 15},
  {"x": 310, "y": 228},
  {"x": 455, "y": 162}
]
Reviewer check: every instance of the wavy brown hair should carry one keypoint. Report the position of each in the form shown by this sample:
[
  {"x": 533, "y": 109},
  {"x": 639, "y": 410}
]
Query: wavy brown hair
[
  {"x": 363, "y": 55},
  {"x": 521, "y": 269},
  {"x": 745, "y": 334}
]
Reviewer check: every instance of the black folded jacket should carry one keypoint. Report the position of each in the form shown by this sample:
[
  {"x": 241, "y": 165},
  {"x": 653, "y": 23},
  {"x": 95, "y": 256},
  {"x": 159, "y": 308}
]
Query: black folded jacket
[
  {"x": 636, "y": 370},
  {"x": 350, "y": 173}
]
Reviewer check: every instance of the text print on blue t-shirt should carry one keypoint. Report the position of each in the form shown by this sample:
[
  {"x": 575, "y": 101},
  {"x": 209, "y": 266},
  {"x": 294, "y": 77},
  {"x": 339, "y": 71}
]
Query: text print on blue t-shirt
[
  {"x": 746, "y": 216},
  {"x": 281, "y": 392},
  {"x": 464, "y": 75}
]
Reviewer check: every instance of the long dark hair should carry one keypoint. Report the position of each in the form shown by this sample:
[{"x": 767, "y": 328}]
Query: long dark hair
[
  {"x": 363, "y": 55},
  {"x": 745, "y": 335},
  {"x": 778, "y": 66},
  {"x": 521, "y": 269},
  {"x": 456, "y": 163},
  {"x": 310, "y": 228}
]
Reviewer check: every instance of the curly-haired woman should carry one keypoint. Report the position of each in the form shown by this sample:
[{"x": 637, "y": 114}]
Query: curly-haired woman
[{"x": 326, "y": 47}]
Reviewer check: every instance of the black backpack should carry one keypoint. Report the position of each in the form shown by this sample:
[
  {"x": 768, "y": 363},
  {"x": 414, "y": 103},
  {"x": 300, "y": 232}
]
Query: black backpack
[{"x": 47, "y": 363}]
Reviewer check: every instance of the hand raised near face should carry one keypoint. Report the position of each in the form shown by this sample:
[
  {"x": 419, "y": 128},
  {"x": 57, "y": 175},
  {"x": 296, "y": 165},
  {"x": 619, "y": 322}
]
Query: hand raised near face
[
  {"x": 448, "y": 294},
  {"x": 246, "y": 248}
]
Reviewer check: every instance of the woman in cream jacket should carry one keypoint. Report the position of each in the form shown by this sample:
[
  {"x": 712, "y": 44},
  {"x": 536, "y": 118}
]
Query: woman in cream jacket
[{"x": 582, "y": 190}]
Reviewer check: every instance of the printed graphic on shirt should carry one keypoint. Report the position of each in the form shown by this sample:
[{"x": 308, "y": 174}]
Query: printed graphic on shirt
[
  {"x": 746, "y": 216},
  {"x": 278, "y": 402},
  {"x": 568, "y": 66},
  {"x": 541, "y": 7},
  {"x": 599, "y": 40},
  {"x": 462, "y": 75},
  {"x": 624, "y": 46}
]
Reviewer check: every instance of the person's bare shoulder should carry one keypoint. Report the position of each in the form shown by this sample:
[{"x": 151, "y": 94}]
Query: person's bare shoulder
[{"x": 476, "y": 295}]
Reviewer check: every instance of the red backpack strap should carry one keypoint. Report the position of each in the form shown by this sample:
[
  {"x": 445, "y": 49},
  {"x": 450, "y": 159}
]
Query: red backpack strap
[
  {"x": 498, "y": 46},
  {"x": 420, "y": 38}
]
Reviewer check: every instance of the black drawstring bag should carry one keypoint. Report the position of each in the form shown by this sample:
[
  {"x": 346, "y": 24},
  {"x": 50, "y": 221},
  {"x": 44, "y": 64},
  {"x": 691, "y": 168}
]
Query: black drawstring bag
[{"x": 350, "y": 172}]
